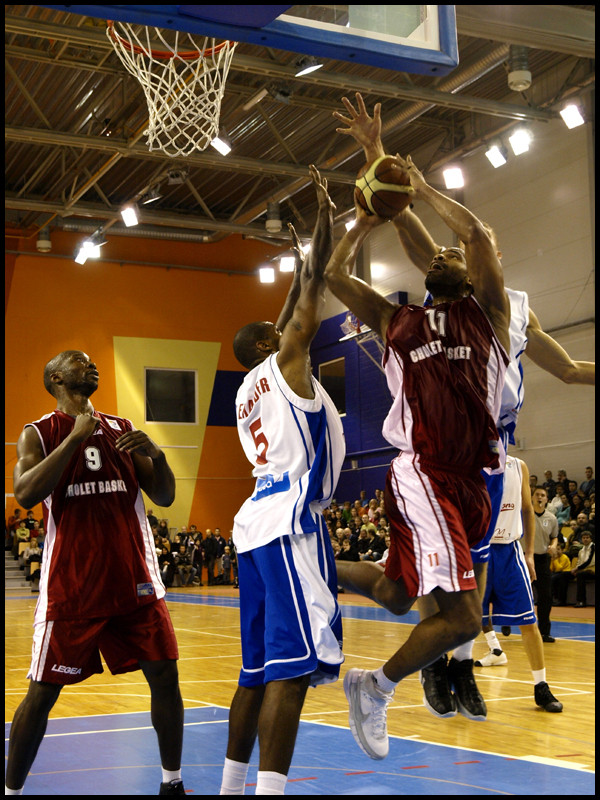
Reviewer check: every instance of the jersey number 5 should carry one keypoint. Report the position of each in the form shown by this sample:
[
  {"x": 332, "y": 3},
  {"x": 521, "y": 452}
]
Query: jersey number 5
[{"x": 259, "y": 440}]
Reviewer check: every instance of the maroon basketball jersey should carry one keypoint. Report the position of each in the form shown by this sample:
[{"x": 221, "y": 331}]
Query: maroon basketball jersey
[
  {"x": 445, "y": 369},
  {"x": 99, "y": 555}
]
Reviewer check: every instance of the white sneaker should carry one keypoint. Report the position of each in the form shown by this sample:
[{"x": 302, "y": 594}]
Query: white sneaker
[
  {"x": 368, "y": 712},
  {"x": 493, "y": 659}
]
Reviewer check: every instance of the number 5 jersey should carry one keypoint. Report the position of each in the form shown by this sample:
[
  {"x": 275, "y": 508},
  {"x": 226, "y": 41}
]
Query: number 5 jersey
[
  {"x": 296, "y": 446},
  {"x": 99, "y": 555}
]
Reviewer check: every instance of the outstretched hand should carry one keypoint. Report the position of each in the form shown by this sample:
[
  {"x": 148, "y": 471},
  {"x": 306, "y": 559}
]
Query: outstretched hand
[
  {"x": 365, "y": 129},
  {"x": 320, "y": 185},
  {"x": 296, "y": 247}
]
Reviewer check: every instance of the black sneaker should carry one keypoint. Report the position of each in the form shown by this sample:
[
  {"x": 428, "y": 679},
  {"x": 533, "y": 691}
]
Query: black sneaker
[
  {"x": 545, "y": 699},
  {"x": 468, "y": 698},
  {"x": 437, "y": 696},
  {"x": 173, "y": 787},
  {"x": 505, "y": 630},
  {"x": 549, "y": 639}
]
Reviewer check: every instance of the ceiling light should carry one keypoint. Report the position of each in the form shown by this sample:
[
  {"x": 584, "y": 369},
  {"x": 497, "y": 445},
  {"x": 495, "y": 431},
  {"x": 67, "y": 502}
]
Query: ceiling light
[
  {"x": 453, "y": 178},
  {"x": 273, "y": 223},
  {"x": 306, "y": 65},
  {"x": 350, "y": 224},
  {"x": 520, "y": 141},
  {"x": 129, "y": 213},
  {"x": 572, "y": 116},
  {"x": 287, "y": 264},
  {"x": 90, "y": 248},
  {"x": 266, "y": 274},
  {"x": 150, "y": 197},
  {"x": 496, "y": 155},
  {"x": 221, "y": 145}
]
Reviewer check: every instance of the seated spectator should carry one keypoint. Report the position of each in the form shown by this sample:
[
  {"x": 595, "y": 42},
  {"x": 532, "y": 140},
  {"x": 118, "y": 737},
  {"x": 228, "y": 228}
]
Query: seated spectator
[
  {"x": 549, "y": 484},
  {"x": 588, "y": 486},
  {"x": 197, "y": 556},
  {"x": 37, "y": 532},
  {"x": 29, "y": 520},
  {"x": 21, "y": 535},
  {"x": 163, "y": 529},
  {"x": 533, "y": 482},
  {"x": 563, "y": 515},
  {"x": 576, "y": 505},
  {"x": 375, "y": 545},
  {"x": 166, "y": 563},
  {"x": 183, "y": 565},
  {"x": 383, "y": 560},
  {"x": 12, "y": 524},
  {"x": 561, "y": 477},
  {"x": 348, "y": 552},
  {"x": 561, "y": 575},
  {"x": 583, "y": 567},
  {"x": 335, "y": 546},
  {"x": 572, "y": 489},
  {"x": 347, "y": 512}
]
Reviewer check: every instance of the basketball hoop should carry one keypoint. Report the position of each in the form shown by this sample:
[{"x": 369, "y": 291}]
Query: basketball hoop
[
  {"x": 183, "y": 88},
  {"x": 350, "y": 325}
]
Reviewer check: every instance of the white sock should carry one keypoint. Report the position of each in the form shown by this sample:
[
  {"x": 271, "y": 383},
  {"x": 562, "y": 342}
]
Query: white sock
[
  {"x": 464, "y": 652},
  {"x": 13, "y": 791},
  {"x": 382, "y": 681},
  {"x": 234, "y": 777},
  {"x": 270, "y": 783},
  {"x": 492, "y": 640},
  {"x": 170, "y": 775},
  {"x": 539, "y": 676}
]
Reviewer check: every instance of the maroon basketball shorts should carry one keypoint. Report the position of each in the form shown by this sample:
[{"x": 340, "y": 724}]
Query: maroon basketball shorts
[
  {"x": 435, "y": 516},
  {"x": 68, "y": 651}
]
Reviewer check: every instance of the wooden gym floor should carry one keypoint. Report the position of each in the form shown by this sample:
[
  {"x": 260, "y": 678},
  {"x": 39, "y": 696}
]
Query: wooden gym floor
[{"x": 520, "y": 749}]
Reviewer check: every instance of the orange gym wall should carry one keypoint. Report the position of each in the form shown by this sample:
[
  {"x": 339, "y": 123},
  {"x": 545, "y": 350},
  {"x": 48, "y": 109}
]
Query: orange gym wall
[{"x": 53, "y": 304}]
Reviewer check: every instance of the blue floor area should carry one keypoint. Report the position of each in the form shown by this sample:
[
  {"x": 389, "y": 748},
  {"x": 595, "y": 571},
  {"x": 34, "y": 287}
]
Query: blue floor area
[{"x": 117, "y": 755}]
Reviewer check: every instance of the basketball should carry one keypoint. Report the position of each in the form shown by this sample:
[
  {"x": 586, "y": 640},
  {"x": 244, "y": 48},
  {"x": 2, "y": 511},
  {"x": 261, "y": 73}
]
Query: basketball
[{"x": 383, "y": 188}]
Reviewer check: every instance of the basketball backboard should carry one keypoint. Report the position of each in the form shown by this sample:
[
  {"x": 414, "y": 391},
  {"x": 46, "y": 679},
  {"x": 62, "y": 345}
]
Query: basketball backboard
[{"x": 407, "y": 38}]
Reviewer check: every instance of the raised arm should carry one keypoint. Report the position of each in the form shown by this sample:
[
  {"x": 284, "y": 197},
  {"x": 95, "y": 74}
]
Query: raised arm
[
  {"x": 366, "y": 130},
  {"x": 544, "y": 351},
  {"x": 368, "y": 305},
  {"x": 308, "y": 309},
  {"x": 483, "y": 265}
]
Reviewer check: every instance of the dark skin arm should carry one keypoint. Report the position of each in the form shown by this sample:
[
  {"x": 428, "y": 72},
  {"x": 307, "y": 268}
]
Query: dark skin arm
[
  {"x": 293, "y": 357},
  {"x": 36, "y": 476},
  {"x": 364, "y": 302}
]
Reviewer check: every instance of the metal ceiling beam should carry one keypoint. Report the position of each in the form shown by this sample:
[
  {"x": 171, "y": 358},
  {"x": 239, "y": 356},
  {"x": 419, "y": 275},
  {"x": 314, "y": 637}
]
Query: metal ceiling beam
[
  {"x": 256, "y": 66},
  {"x": 158, "y": 219},
  {"x": 231, "y": 163},
  {"x": 561, "y": 29}
]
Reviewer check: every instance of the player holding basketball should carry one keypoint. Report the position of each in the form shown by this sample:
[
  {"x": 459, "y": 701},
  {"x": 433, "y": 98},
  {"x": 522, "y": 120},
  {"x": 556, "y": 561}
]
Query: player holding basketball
[
  {"x": 100, "y": 590},
  {"x": 445, "y": 369},
  {"x": 292, "y": 435},
  {"x": 525, "y": 333}
]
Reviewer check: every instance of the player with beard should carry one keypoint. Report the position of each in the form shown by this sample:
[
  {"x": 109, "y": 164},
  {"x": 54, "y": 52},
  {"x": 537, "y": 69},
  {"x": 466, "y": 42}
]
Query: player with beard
[
  {"x": 445, "y": 369},
  {"x": 100, "y": 585}
]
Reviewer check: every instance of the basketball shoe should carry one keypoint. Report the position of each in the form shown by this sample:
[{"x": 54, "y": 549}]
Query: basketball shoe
[
  {"x": 368, "y": 712},
  {"x": 545, "y": 699},
  {"x": 437, "y": 695},
  {"x": 493, "y": 659},
  {"x": 173, "y": 787},
  {"x": 468, "y": 698}
]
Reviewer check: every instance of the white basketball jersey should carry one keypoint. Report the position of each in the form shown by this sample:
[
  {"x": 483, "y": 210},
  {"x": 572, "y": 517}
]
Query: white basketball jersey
[
  {"x": 296, "y": 446},
  {"x": 513, "y": 391},
  {"x": 509, "y": 527}
]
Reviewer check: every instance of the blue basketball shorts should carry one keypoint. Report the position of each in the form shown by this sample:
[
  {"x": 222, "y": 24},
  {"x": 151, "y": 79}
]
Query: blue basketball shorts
[
  {"x": 508, "y": 587},
  {"x": 290, "y": 620},
  {"x": 495, "y": 487}
]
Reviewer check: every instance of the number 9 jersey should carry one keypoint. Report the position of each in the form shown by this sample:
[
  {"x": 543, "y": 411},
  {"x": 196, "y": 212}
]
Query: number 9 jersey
[{"x": 296, "y": 446}]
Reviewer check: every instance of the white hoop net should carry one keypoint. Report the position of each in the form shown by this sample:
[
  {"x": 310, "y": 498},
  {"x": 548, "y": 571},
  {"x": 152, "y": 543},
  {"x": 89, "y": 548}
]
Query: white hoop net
[{"x": 183, "y": 89}]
